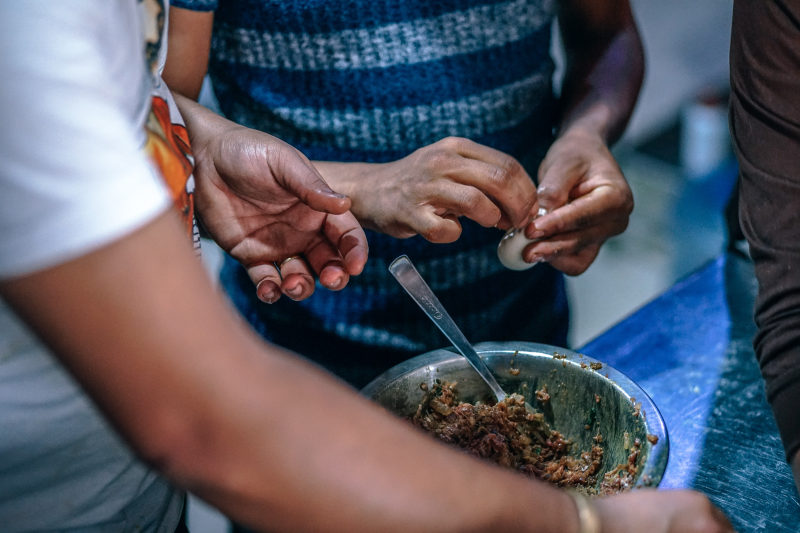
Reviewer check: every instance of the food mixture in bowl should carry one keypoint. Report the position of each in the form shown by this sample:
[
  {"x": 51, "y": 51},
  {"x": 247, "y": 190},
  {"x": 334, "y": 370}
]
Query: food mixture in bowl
[{"x": 510, "y": 435}]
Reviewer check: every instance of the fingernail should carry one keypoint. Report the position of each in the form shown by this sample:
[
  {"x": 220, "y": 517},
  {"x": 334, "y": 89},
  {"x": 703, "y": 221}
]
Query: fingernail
[
  {"x": 538, "y": 234},
  {"x": 295, "y": 292},
  {"x": 268, "y": 296},
  {"x": 332, "y": 193},
  {"x": 336, "y": 283}
]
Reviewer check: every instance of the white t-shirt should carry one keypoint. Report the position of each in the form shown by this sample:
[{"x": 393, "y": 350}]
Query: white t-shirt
[{"x": 85, "y": 124}]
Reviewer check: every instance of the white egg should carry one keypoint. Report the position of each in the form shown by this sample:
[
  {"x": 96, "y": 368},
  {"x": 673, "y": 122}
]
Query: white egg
[{"x": 509, "y": 251}]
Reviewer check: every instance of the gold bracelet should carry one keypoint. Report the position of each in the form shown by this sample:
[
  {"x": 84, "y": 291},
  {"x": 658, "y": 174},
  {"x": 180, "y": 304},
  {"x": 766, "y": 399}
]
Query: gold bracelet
[{"x": 588, "y": 517}]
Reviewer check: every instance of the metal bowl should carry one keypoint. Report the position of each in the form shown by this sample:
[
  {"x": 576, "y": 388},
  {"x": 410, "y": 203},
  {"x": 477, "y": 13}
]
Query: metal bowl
[{"x": 625, "y": 412}]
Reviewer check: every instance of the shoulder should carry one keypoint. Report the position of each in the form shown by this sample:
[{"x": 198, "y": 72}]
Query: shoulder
[{"x": 75, "y": 95}]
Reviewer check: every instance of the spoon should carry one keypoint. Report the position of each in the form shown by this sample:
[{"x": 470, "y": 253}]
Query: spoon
[{"x": 406, "y": 274}]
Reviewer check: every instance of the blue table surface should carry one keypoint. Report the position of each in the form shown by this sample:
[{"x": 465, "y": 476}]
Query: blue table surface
[{"x": 691, "y": 350}]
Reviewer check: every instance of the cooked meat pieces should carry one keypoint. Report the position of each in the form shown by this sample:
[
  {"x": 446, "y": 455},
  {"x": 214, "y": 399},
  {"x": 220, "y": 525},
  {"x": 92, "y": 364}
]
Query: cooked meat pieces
[{"x": 507, "y": 434}]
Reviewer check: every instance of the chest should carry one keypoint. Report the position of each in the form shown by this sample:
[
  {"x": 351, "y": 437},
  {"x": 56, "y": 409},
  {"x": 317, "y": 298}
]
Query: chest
[{"x": 330, "y": 16}]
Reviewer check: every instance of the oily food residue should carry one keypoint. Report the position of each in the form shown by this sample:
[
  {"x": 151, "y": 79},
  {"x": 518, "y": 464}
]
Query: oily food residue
[{"x": 508, "y": 434}]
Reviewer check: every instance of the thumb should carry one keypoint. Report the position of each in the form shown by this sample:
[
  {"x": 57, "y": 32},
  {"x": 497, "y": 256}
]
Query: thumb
[
  {"x": 551, "y": 193},
  {"x": 557, "y": 176},
  {"x": 299, "y": 176}
]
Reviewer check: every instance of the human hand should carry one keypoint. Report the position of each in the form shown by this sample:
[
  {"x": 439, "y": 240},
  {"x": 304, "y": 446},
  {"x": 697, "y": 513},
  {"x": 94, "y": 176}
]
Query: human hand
[
  {"x": 665, "y": 511},
  {"x": 586, "y": 199},
  {"x": 426, "y": 192},
  {"x": 264, "y": 203}
]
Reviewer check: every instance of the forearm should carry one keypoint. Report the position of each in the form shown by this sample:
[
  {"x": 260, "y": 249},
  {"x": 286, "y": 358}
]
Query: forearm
[
  {"x": 365, "y": 471},
  {"x": 605, "y": 66},
  {"x": 427, "y": 191},
  {"x": 266, "y": 438},
  {"x": 350, "y": 179},
  {"x": 202, "y": 124},
  {"x": 187, "y": 53}
]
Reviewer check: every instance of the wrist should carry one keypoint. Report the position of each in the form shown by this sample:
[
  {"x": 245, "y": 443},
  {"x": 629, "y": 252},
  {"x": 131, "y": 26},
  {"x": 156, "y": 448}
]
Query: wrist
[
  {"x": 596, "y": 121},
  {"x": 581, "y": 136},
  {"x": 202, "y": 124},
  {"x": 347, "y": 178}
]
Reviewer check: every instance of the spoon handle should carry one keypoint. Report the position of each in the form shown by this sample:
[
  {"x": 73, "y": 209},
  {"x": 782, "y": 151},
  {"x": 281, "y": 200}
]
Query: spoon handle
[{"x": 406, "y": 274}]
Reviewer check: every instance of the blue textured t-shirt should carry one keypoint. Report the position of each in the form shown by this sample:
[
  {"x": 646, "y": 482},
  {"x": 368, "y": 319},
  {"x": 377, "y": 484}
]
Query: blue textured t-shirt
[{"x": 374, "y": 80}]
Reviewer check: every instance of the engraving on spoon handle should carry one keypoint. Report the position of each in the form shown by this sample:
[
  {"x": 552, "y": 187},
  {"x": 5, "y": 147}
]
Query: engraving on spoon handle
[{"x": 406, "y": 274}]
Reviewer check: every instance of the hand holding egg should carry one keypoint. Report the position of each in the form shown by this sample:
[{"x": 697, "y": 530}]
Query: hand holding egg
[{"x": 511, "y": 246}]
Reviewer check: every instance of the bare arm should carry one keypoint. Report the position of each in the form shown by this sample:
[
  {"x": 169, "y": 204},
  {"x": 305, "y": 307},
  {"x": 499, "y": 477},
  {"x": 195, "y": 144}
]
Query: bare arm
[
  {"x": 427, "y": 191},
  {"x": 187, "y": 54},
  {"x": 605, "y": 65},
  {"x": 580, "y": 183},
  {"x": 269, "y": 440}
]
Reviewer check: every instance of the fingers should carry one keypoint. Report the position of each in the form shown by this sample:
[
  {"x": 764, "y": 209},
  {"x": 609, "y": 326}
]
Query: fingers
[
  {"x": 570, "y": 252},
  {"x": 574, "y": 264},
  {"x": 292, "y": 278},
  {"x": 350, "y": 242},
  {"x": 569, "y": 238},
  {"x": 694, "y": 513},
  {"x": 439, "y": 228},
  {"x": 557, "y": 177},
  {"x": 464, "y": 200},
  {"x": 435, "y": 211},
  {"x": 668, "y": 511},
  {"x": 497, "y": 175},
  {"x": 335, "y": 251},
  {"x": 426, "y": 192},
  {"x": 267, "y": 281},
  {"x": 603, "y": 206},
  {"x": 342, "y": 253},
  {"x": 574, "y": 160},
  {"x": 355, "y": 250},
  {"x": 299, "y": 176},
  {"x": 565, "y": 253},
  {"x": 328, "y": 264},
  {"x": 587, "y": 199},
  {"x": 298, "y": 282}
]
